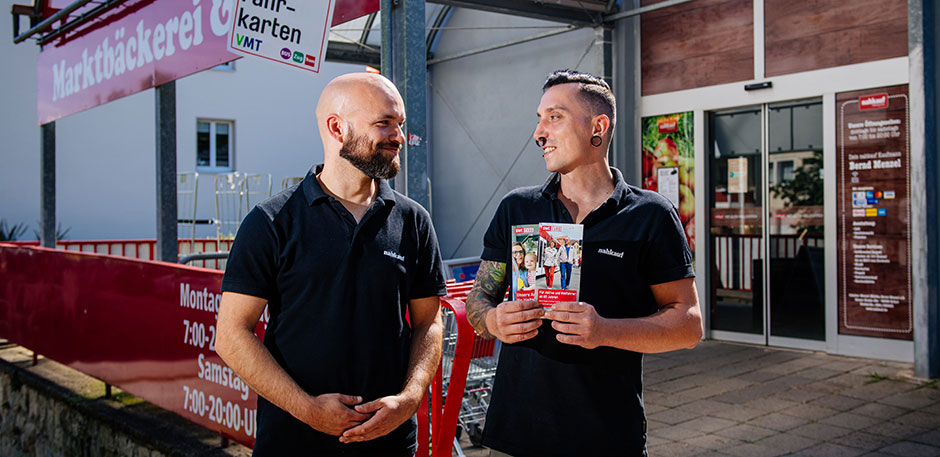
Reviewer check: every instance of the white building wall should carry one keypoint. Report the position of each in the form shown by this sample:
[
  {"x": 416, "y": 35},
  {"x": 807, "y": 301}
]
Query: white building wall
[
  {"x": 19, "y": 135},
  {"x": 273, "y": 110}
]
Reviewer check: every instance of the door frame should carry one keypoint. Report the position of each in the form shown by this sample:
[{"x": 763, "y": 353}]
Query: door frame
[{"x": 823, "y": 83}]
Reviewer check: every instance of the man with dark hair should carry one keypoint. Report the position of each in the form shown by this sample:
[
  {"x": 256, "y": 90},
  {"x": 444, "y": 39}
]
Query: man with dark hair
[
  {"x": 570, "y": 379},
  {"x": 341, "y": 260},
  {"x": 594, "y": 91}
]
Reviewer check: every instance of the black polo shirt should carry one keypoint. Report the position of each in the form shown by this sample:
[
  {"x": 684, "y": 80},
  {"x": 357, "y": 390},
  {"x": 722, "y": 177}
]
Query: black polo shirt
[
  {"x": 337, "y": 294},
  {"x": 554, "y": 399}
]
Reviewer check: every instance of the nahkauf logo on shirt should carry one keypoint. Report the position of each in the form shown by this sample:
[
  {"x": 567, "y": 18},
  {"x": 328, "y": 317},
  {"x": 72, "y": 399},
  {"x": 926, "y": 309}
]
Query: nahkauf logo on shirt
[{"x": 394, "y": 255}]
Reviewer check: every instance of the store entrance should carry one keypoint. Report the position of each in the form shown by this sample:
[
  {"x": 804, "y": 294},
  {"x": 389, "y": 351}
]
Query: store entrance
[{"x": 765, "y": 245}]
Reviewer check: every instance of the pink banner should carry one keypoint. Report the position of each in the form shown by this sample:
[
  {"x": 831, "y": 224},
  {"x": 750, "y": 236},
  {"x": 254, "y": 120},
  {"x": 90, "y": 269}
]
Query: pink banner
[
  {"x": 138, "y": 45},
  {"x": 149, "y": 328}
]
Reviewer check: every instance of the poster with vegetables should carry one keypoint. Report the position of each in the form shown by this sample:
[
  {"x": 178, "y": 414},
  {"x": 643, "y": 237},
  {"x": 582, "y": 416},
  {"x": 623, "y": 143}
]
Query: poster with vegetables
[{"x": 668, "y": 152}]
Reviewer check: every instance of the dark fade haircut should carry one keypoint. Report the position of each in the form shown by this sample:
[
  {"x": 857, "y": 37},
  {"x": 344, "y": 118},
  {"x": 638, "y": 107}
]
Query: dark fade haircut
[{"x": 593, "y": 90}]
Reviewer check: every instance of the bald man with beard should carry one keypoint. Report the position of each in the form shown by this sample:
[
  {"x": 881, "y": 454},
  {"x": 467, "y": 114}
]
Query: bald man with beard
[{"x": 339, "y": 260}]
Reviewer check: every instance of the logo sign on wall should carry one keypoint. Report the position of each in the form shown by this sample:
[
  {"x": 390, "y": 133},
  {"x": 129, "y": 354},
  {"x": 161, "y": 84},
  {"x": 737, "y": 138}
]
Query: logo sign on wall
[{"x": 291, "y": 32}]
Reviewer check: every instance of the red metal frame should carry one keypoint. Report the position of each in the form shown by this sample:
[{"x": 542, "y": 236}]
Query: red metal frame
[
  {"x": 444, "y": 420},
  {"x": 150, "y": 246}
]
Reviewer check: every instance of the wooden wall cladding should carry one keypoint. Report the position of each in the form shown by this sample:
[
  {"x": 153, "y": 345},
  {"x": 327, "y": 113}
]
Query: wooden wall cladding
[
  {"x": 802, "y": 35},
  {"x": 696, "y": 44}
]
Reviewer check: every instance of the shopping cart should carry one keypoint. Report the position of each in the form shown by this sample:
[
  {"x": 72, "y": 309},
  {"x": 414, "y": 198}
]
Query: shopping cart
[{"x": 481, "y": 372}]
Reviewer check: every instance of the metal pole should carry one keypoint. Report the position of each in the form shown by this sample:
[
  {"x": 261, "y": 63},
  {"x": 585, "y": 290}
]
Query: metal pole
[
  {"x": 625, "y": 146},
  {"x": 764, "y": 186},
  {"x": 63, "y": 13},
  {"x": 922, "y": 34},
  {"x": 47, "y": 223},
  {"x": 165, "y": 102},
  {"x": 506, "y": 44},
  {"x": 931, "y": 55},
  {"x": 405, "y": 61},
  {"x": 646, "y": 9}
]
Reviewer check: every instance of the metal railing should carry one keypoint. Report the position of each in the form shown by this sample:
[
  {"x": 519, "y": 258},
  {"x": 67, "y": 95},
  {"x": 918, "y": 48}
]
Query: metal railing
[{"x": 734, "y": 255}]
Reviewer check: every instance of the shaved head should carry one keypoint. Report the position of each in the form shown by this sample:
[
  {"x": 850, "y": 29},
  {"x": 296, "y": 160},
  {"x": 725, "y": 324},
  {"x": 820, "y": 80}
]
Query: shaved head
[
  {"x": 360, "y": 118},
  {"x": 348, "y": 94}
]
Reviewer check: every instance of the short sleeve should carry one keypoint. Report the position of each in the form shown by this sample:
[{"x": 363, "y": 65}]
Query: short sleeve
[
  {"x": 667, "y": 256},
  {"x": 495, "y": 240},
  {"x": 251, "y": 268},
  {"x": 429, "y": 278}
]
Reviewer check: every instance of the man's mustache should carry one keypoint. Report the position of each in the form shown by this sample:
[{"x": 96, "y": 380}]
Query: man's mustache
[{"x": 389, "y": 144}]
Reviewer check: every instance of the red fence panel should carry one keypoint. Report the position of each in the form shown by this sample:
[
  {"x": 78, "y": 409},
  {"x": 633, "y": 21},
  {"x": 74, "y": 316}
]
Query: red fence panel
[
  {"x": 149, "y": 328},
  {"x": 146, "y": 327}
]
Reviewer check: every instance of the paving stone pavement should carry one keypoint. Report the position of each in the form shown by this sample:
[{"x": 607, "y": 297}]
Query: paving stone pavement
[
  {"x": 786, "y": 402},
  {"x": 724, "y": 399}
]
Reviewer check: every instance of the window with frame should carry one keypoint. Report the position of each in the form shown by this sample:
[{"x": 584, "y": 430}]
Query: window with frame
[{"x": 214, "y": 146}]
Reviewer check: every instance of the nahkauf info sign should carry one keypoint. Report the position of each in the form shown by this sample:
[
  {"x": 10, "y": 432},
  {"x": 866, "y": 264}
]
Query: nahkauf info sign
[
  {"x": 874, "y": 213},
  {"x": 290, "y": 32}
]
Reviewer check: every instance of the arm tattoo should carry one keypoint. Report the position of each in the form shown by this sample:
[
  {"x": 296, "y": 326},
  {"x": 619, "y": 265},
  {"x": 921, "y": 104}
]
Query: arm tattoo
[{"x": 489, "y": 288}]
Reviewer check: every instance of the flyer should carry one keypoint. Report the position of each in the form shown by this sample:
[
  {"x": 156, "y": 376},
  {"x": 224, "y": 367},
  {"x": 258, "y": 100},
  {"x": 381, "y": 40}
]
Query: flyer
[
  {"x": 560, "y": 246},
  {"x": 523, "y": 261}
]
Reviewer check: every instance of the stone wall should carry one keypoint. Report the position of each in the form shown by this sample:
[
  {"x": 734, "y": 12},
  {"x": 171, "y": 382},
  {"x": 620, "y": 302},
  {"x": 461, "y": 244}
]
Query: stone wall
[{"x": 49, "y": 410}]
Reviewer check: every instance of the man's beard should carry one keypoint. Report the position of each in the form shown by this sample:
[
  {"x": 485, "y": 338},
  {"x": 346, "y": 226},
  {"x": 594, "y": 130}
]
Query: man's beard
[{"x": 374, "y": 165}]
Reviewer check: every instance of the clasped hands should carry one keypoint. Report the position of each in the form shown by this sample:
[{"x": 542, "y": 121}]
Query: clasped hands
[
  {"x": 347, "y": 417},
  {"x": 577, "y": 323}
]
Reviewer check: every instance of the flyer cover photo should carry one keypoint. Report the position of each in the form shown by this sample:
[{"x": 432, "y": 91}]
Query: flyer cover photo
[
  {"x": 523, "y": 261},
  {"x": 546, "y": 262},
  {"x": 560, "y": 262}
]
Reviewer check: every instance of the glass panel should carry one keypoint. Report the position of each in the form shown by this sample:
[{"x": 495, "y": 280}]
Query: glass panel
[
  {"x": 221, "y": 144},
  {"x": 807, "y": 127},
  {"x": 797, "y": 281},
  {"x": 202, "y": 144},
  {"x": 735, "y": 228},
  {"x": 780, "y": 121},
  {"x": 734, "y": 133}
]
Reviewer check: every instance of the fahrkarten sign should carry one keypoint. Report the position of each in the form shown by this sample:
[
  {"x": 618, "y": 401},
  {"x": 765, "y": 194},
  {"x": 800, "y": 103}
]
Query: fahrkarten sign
[{"x": 288, "y": 32}]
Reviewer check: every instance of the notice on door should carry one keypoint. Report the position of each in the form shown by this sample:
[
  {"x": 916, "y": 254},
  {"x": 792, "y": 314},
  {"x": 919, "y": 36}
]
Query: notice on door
[
  {"x": 737, "y": 175},
  {"x": 667, "y": 179},
  {"x": 873, "y": 212},
  {"x": 291, "y": 32}
]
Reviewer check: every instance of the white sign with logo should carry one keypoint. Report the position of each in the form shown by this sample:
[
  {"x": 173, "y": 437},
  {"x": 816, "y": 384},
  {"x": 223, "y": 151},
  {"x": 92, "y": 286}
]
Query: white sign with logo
[{"x": 292, "y": 32}]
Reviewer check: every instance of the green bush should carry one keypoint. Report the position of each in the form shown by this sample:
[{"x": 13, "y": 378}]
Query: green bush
[{"x": 11, "y": 232}]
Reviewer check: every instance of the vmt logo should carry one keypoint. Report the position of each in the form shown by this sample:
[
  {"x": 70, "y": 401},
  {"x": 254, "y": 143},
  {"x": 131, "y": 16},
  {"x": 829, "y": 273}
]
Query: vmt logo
[{"x": 246, "y": 42}]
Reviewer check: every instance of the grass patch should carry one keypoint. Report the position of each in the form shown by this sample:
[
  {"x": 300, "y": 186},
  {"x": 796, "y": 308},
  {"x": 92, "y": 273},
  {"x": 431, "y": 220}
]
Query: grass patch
[
  {"x": 125, "y": 398},
  {"x": 874, "y": 377}
]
